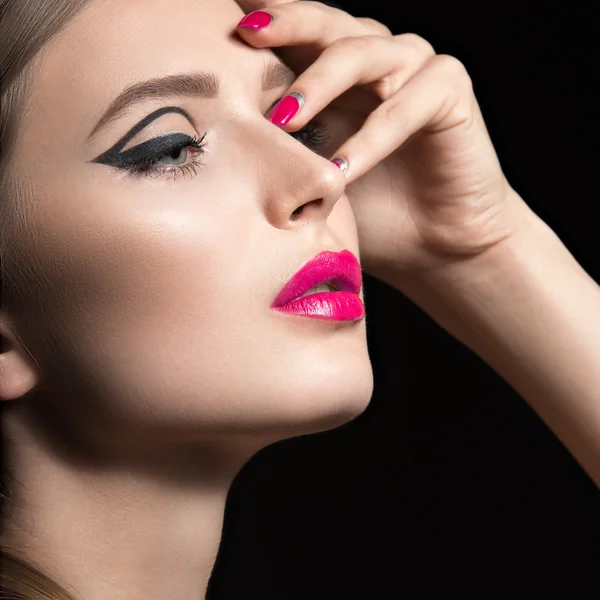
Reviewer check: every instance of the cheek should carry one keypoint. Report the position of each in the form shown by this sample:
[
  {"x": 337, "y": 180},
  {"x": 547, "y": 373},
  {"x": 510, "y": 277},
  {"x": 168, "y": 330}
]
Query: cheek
[
  {"x": 161, "y": 318},
  {"x": 136, "y": 272}
]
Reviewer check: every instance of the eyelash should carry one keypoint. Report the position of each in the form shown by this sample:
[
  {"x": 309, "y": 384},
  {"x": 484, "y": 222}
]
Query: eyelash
[{"x": 317, "y": 136}]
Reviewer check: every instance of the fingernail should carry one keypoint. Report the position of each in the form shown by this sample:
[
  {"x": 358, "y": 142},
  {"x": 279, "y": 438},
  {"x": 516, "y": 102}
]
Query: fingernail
[
  {"x": 285, "y": 110},
  {"x": 340, "y": 163},
  {"x": 256, "y": 20}
]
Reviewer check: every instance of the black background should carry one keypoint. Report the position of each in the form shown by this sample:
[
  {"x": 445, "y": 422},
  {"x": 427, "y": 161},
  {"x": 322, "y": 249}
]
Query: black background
[{"x": 449, "y": 485}]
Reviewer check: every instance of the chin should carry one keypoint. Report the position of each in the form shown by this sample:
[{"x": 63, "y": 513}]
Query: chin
[{"x": 323, "y": 394}]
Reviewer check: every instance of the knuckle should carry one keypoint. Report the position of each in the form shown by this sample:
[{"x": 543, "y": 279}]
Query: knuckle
[
  {"x": 323, "y": 5},
  {"x": 357, "y": 44},
  {"x": 389, "y": 112},
  {"x": 374, "y": 26},
  {"x": 338, "y": 43},
  {"x": 329, "y": 10},
  {"x": 456, "y": 75},
  {"x": 453, "y": 67},
  {"x": 420, "y": 43},
  {"x": 386, "y": 86}
]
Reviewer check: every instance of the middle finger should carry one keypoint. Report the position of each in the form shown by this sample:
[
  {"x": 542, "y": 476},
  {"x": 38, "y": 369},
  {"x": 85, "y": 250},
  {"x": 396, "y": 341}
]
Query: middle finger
[{"x": 384, "y": 64}]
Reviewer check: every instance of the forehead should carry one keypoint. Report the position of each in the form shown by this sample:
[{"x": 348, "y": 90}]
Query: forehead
[
  {"x": 116, "y": 36},
  {"x": 111, "y": 44}
]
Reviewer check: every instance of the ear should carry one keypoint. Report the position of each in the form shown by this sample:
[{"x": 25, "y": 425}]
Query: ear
[{"x": 19, "y": 372}]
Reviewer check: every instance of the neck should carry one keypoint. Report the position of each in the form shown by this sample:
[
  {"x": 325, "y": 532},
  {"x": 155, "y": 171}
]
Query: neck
[{"x": 147, "y": 529}]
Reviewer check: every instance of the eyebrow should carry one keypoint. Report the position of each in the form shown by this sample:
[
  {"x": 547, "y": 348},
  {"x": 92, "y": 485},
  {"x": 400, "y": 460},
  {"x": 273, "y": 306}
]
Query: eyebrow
[{"x": 204, "y": 84}]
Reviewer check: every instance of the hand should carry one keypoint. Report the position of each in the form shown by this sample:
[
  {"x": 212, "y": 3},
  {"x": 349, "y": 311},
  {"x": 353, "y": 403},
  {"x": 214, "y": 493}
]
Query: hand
[{"x": 423, "y": 178}]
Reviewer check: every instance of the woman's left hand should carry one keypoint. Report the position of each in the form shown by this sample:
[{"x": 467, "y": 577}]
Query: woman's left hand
[{"x": 424, "y": 181}]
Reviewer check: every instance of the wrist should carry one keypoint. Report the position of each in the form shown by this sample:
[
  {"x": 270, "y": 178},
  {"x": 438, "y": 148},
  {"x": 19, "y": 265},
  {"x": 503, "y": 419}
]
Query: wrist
[
  {"x": 532, "y": 313},
  {"x": 473, "y": 297}
]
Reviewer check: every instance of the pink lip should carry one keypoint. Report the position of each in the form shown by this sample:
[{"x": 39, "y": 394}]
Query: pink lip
[{"x": 342, "y": 270}]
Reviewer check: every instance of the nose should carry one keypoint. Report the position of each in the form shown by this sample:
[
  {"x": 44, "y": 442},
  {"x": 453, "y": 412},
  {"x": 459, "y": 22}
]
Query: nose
[{"x": 298, "y": 185}]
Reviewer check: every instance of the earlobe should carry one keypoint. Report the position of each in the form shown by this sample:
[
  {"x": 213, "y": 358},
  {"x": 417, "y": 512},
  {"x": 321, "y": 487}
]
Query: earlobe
[{"x": 19, "y": 373}]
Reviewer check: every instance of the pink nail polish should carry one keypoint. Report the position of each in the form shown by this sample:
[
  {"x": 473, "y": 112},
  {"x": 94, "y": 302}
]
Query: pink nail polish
[
  {"x": 340, "y": 163},
  {"x": 256, "y": 20},
  {"x": 286, "y": 109}
]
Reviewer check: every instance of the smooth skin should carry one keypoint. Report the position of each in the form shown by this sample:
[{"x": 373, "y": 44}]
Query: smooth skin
[
  {"x": 148, "y": 366},
  {"x": 437, "y": 219},
  {"x": 164, "y": 369}
]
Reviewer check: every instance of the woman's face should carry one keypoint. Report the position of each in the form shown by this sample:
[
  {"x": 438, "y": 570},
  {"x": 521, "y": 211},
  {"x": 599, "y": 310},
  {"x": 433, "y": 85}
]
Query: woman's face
[{"x": 161, "y": 323}]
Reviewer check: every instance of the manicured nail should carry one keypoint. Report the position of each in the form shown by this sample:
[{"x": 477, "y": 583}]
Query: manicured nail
[
  {"x": 256, "y": 20},
  {"x": 285, "y": 110},
  {"x": 340, "y": 163}
]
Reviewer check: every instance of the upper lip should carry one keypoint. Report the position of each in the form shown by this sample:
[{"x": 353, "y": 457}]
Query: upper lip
[{"x": 341, "y": 269}]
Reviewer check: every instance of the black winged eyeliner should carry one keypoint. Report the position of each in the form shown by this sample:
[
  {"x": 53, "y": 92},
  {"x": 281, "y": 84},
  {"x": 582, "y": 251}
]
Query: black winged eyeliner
[{"x": 113, "y": 156}]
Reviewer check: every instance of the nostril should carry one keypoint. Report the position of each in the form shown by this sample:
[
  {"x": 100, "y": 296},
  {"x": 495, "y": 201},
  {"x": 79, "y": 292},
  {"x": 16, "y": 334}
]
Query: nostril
[{"x": 314, "y": 203}]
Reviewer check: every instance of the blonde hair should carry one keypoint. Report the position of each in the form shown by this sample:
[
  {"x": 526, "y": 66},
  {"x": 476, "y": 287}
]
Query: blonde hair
[{"x": 25, "y": 27}]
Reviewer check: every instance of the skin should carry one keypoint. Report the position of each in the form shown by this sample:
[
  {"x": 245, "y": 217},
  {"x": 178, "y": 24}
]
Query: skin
[
  {"x": 161, "y": 368},
  {"x": 435, "y": 218}
]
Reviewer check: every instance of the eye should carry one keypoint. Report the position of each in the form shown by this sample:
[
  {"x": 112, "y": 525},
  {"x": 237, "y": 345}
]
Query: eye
[
  {"x": 168, "y": 154},
  {"x": 313, "y": 135},
  {"x": 177, "y": 157}
]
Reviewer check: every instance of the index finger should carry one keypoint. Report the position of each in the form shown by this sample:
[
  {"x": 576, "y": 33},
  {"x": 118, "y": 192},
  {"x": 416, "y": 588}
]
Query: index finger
[{"x": 252, "y": 5}]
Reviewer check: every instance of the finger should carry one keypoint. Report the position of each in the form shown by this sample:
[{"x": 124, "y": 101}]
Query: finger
[
  {"x": 438, "y": 97},
  {"x": 251, "y": 5},
  {"x": 301, "y": 23},
  {"x": 374, "y": 27},
  {"x": 385, "y": 63}
]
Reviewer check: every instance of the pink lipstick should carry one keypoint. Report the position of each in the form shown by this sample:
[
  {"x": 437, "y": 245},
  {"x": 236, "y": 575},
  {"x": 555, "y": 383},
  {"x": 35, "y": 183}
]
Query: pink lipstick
[{"x": 327, "y": 287}]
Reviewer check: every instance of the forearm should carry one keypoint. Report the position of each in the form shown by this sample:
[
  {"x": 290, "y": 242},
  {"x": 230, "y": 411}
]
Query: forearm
[{"x": 533, "y": 314}]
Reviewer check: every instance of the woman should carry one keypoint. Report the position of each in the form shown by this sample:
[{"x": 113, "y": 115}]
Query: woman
[{"x": 158, "y": 231}]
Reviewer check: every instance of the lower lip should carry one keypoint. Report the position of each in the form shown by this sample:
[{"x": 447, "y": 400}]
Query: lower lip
[{"x": 329, "y": 306}]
